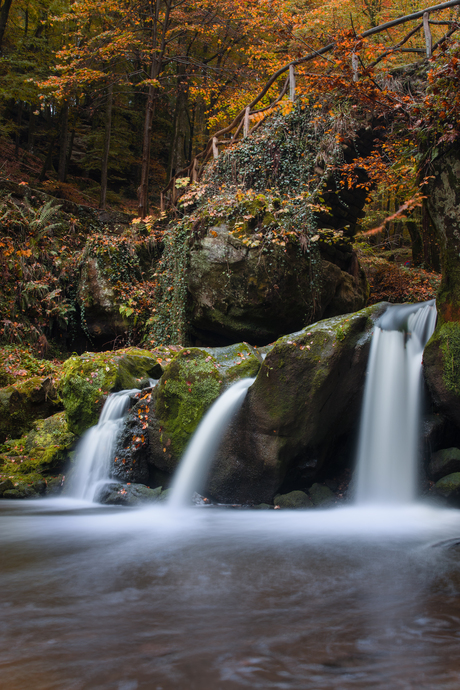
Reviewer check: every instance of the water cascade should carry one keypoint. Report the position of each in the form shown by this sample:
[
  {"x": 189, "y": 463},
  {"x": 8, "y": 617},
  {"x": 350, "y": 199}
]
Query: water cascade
[
  {"x": 96, "y": 448},
  {"x": 389, "y": 432},
  {"x": 200, "y": 452}
]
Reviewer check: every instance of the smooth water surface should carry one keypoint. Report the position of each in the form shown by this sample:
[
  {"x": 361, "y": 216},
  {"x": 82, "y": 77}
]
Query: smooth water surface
[{"x": 114, "y": 599}]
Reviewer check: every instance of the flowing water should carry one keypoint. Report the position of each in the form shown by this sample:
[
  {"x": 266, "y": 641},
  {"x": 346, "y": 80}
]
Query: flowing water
[
  {"x": 95, "y": 450},
  {"x": 173, "y": 598},
  {"x": 390, "y": 424},
  {"x": 194, "y": 466},
  {"x": 214, "y": 599}
]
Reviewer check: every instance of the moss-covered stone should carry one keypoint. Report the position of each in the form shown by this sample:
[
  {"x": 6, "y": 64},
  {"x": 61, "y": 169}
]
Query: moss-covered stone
[
  {"x": 88, "y": 379},
  {"x": 294, "y": 499},
  {"x": 441, "y": 365},
  {"x": 24, "y": 402},
  {"x": 449, "y": 488},
  {"x": 321, "y": 495},
  {"x": 6, "y": 485},
  {"x": 300, "y": 411},
  {"x": 188, "y": 387},
  {"x": 444, "y": 462},
  {"x": 39, "y": 455},
  {"x": 236, "y": 361}
]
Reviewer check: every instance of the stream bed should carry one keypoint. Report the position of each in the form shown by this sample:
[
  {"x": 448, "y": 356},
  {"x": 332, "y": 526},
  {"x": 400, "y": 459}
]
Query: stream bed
[{"x": 102, "y": 598}]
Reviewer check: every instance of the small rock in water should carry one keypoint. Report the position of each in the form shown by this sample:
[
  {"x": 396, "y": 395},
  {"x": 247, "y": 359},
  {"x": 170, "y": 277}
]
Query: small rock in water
[
  {"x": 118, "y": 494},
  {"x": 294, "y": 499},
  {"x": 321, "y": 495}
]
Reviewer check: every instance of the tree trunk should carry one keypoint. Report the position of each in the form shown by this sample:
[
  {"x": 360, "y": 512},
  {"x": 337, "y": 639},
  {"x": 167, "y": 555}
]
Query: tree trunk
[
  {"x": 4, "y": 12},
  {"x": 63, "y": 142},
  {"x": 18, "y": 131},
  {"x": 443, "y": 205},
  {"x": 105, "y": 159},
  {"x": 49, "y": 158},
  {"x": 416, "y": 241},
  {"x": 181, "y": 126},
  {"x": 143, "y": 191}
]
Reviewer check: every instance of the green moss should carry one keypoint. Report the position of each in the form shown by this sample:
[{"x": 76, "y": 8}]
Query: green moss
[
  {"x": 88, "y": 379},
  {"x": 24, "y": 402},
  {"x": 449, "y": 336},
  {"x": 186, "y": 390},
  {"x": 41, "y": 453},
  {"x": 19, "y": 363},
  {"x": 236, "y": 361}
]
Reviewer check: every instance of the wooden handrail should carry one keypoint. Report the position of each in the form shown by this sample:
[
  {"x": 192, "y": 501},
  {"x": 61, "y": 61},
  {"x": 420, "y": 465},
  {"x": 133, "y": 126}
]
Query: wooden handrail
[{"x": 192, "y": 169}]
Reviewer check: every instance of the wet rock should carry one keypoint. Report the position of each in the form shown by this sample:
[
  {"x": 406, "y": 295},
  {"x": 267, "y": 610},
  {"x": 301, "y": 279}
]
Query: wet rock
[
  {"x": 441, "y": 366},
  {"x": 294, "y": 499},
  {"x": 305, "y": 402},
  {"x": 40, "y": 453},
  {"x": 88, "y": 379},
  {"x": 24, "y": 402},
  {"x": 449, "y": 488},
  {"x": 128, "y": 494},
  {"x": 444, "y": 462},
  {"x": 6, "y": 485},
  {"x": 321, "y": 495},
  {"x": 263, "y": 506}
]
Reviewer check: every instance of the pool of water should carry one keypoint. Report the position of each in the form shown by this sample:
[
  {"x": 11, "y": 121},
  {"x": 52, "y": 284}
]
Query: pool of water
[{"x": 155, "y": 599}]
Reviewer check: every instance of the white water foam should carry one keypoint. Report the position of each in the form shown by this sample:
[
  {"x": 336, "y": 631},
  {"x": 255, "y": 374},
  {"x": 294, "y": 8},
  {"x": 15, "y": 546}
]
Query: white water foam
[
  {"x": 194, "y": 466},
  {"x": 390, "y": 422},
  {"x": 96, "y": 448}
]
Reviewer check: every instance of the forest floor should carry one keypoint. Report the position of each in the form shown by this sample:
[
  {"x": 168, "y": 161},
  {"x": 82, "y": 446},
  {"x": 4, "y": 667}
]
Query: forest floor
[{"x": 392, "y": 278}]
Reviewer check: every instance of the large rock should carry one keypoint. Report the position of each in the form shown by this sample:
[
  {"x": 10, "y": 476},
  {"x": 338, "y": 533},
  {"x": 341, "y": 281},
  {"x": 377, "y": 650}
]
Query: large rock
[
  {"x": 89, "y": 378},
  {"x": 441, "y": 365},
  {"x": 160, "y": 425},
  {"x": 40, "y": 455},
  {"x": 24, "y": 402},
  {"x": 304, "y": 404},
  {"x": 240, "y": 293},
  {"x": 444, "y": 462},
  {"x": 448, "y": 488}
]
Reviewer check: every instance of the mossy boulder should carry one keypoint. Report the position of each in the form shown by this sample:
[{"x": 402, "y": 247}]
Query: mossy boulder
[
  {"x": 237, "y": 361},
  {"x": 40, "y": 454},
  {"x": 119, "y": 494},
  {"x": 24, "y": 402},
  {"x": 449, "y": 488},
  {"x": 444, "y": 462},
  {"x": 321, "y": 495},
  {"x": 300, "y": 413},
  {"x": 88, "y": 379},
  {"x": 294, "y": 499},
  {"x": 240, "y": 291},
  {"x": 159, "y": 427},
  {"x": 441, "y": 366}
]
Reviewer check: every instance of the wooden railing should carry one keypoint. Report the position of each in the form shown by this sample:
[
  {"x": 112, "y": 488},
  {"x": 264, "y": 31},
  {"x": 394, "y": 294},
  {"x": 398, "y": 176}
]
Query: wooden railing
[{"x": 242, "y": 121}]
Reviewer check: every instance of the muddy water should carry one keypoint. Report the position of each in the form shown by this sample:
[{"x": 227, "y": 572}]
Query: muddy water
[{"x": 108, "y": 599}]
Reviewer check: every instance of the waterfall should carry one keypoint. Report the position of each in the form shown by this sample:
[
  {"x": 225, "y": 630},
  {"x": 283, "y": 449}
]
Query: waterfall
[
  {"x": 389, "y": 433},
  {"x": 96, "y": 448},
  {"x": 191, "y": 474}
]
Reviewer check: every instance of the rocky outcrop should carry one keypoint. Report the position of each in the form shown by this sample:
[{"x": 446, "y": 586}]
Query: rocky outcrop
[
  {"x": 160, "y": 425},
  {"x": 303, "y": 406},
  {"x": 441, "y": 366},
  {"x": 24, "y": 402},
  {"x": 238, "y": 292},
  {"x": 88, "y": 379},
  {"x": 34, "y": 462}
]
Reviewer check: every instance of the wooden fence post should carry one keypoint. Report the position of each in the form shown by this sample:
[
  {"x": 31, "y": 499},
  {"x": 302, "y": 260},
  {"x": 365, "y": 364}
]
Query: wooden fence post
[
  {"x": 427, "y": 30},
  {"x": 354, "y": 66},
  {"x": 246, "y": 122},
  {"x": 215, "y": 150},
  {"x": 291, "y": 83},
  {"x": 194, "y": 175}
]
